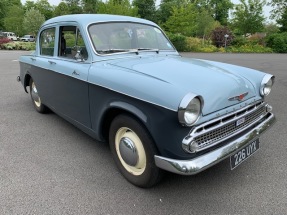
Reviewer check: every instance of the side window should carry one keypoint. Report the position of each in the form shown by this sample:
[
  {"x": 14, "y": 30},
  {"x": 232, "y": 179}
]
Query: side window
[
  {"x": 47, "y": 42},
  {"x": 71, "y": 44}
]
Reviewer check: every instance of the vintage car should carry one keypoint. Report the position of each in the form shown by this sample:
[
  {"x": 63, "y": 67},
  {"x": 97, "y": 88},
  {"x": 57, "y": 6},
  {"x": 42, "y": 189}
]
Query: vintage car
[{"x": 120, "y": 80}]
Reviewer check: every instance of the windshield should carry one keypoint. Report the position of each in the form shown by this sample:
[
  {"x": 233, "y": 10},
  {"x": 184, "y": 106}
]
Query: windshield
[{"x": 118, "y": 37}]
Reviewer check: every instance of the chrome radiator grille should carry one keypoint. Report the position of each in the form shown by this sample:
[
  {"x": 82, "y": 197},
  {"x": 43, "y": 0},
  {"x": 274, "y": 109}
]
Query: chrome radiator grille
[{"x": 211, "y": 133}]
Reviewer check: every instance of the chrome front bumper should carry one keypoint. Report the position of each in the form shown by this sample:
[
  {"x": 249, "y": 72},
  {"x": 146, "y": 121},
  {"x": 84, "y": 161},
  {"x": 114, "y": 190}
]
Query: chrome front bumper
[{"x": 198, "y": 164}]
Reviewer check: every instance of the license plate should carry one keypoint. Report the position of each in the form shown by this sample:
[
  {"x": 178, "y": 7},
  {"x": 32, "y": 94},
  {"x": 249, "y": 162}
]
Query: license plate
[{"x": 244, "y": 153}]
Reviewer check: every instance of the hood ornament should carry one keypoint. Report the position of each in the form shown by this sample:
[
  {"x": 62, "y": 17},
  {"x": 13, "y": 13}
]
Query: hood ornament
[{"x": 239, "y": 97}]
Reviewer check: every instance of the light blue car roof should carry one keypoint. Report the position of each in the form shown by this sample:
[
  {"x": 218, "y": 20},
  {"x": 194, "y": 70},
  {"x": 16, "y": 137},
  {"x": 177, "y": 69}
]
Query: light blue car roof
[{"x": 86, "y": 19}]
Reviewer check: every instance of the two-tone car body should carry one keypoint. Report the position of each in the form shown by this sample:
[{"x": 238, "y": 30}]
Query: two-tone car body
[{"x": 119, "y": 79}]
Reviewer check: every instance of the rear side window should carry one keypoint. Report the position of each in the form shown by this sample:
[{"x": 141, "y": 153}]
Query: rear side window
[{"x": 47, "y": 42}]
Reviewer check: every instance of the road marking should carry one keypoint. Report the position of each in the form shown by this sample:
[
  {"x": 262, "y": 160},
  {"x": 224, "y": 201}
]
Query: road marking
[{"x": 15, "y": 60}]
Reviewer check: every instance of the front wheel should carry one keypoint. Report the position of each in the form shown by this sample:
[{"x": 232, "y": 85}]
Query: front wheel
[
  {"x": 41, "y": 108},
  {"x": 133, "y": 151}
]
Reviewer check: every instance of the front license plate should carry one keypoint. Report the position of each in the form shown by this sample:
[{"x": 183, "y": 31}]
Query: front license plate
[{"x": 244, "y": 153}]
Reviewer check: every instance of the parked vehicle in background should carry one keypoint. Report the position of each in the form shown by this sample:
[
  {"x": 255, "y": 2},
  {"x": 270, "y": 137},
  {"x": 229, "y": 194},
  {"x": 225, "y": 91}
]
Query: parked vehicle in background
[
  {"x": 10, "y": 35},
  {"x": 28, "y": 38},
  {"x": 119, "y": 79}
]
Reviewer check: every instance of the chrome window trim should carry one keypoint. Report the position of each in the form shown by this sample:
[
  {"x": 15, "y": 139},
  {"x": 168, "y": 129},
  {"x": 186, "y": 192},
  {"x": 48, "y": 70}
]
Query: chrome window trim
[{"x": 121, "y": 53}]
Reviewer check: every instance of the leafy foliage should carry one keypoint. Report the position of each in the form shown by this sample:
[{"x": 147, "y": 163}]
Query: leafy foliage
[
  {"x": 179, "y": 41},
  {"x": 13, "y": 20},
  {"x": 183, "y": 20},
  {"x": 278, "y": 7},
  {"x": 18, "y": 46},
  {"x": 33, "y": 20},
  {"x": 119, "y": 7},
  {"x": 278, "y": 42},
  {"x": 248, "y": 17},
  {"x": 4, "y": 40},
  {"x": 222, "y": 36},
  {"x": 61, "y": 9},
  {"x": 146, "y": 9},
  {"x": 283, "y": 21}
]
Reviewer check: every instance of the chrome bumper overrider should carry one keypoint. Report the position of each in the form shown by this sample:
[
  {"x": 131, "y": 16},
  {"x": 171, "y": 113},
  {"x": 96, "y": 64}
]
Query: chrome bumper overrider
[{"x": 196, "y": 165}]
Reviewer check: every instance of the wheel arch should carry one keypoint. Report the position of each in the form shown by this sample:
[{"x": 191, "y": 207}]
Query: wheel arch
[
  {"x": 117, "y": 108},
  {"x": 27, "y": 79}
]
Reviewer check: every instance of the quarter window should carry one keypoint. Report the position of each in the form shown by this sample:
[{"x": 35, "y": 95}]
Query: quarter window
[{"x": 47, "y": 42}]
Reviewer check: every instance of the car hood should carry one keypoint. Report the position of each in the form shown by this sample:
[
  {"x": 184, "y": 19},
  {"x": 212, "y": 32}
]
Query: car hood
[{"x": 216, "y": 84}]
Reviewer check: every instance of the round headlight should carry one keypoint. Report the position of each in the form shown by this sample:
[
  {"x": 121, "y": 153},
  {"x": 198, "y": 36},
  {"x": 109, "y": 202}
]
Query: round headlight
[
  {"x": 266, "y": 85},
  {"x": 189, "y": 109}
]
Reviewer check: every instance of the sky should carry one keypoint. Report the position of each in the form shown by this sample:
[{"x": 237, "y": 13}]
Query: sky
[{"x": 266, "y": 8}]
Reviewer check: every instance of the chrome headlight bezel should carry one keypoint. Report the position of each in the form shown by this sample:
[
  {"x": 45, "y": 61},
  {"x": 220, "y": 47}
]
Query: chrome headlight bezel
[
  {"x": 266, "y": 84},
  {"x": 190, "y": 104}
]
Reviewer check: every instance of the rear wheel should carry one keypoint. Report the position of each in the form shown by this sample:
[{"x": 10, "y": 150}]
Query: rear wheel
[
  {"x": 41, "y": 108},
  {"x": 133, "y": 151}
]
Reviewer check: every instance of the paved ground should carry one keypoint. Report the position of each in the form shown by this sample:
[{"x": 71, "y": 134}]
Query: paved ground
[{"x": 47, "y": 166}]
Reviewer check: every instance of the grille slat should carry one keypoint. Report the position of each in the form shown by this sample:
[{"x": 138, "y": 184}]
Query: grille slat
[{"x": 208, "y": 135}]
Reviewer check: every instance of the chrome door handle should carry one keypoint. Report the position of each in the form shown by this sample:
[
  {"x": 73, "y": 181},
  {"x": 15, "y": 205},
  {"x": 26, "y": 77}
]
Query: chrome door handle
[{"x": 51, "y": 62}]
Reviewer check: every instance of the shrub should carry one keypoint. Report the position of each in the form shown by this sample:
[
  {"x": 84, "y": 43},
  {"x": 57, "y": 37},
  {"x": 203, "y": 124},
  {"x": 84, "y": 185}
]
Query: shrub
[
  {"x": 278, "y": 42},
  {"x": 239, "y": 41},
  {"x": 249, "y": 48},
  {"x": 4, "y": 40},
  {"x": 178, "y": 40},
  {"x": 218, "y": 36},
  {"x": 19, "y": 46}
]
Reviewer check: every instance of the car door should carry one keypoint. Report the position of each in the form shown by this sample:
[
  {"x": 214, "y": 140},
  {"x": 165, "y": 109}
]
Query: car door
[{"x": 63, "y": 79}]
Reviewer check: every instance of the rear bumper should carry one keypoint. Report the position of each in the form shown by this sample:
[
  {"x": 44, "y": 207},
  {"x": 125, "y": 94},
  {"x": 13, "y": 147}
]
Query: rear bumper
[{"x": 196, "y": 165}]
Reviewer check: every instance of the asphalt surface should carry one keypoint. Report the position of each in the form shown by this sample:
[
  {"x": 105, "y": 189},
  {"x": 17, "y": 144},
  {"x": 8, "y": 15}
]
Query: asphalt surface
[{"x": 47, "y": 166}]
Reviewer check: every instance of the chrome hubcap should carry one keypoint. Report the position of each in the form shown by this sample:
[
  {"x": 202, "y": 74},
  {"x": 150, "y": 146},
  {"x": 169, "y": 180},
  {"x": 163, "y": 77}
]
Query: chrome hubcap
[
  {"x": 128, "y": 151},
  {"x": 35, "y": 95}
]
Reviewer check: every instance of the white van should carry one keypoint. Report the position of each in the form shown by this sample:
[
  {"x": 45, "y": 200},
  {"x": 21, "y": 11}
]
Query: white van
[{"x": 10, "y": 35}]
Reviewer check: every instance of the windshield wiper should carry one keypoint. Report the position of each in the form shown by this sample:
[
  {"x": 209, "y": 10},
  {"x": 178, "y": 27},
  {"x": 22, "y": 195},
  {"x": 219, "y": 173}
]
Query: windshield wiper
[
  {"x": 143, "y": 49},
  {"x": 105, "y": 51}
]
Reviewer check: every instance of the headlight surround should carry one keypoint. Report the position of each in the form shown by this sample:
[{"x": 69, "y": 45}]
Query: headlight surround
[
  {"x": 266, "y": 84},
  {"x": 190, "y": 109}
]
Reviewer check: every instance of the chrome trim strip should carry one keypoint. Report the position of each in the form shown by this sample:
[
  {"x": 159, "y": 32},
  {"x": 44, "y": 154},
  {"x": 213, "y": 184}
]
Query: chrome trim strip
[{"x": 196, "y": 165}]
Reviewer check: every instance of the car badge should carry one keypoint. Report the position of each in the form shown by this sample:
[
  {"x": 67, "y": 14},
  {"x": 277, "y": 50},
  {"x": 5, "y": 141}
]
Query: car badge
[{"x": 239, "y": 97}]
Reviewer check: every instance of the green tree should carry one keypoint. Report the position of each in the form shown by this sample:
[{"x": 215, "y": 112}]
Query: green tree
[
  {"x": 4, "y": 8},
  {"x": 165, "y": 9},
  {"x": 248, "y": 17},
  {"x": 146, "y": 9},
  {"x": 218, "y": 8},
  {"x": 119, "y": 7},
  {"x": 271, "y": 28},
  {"x": 61, "y": 9},
  {"x": 13, "y": 20},
  {"x": 33, "y": 19},
  {"x": 283, "y": 21},
  {"x": 28, "y": 5},
  {"x": 279, "y": 7},
  {"x": 45, "y": 8},
  {"x": 75, "y": 6},
  {"x": 91, "y": 6},
  {"x": 182, "y": 20},
  {"x": 205, "y": 24}
]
